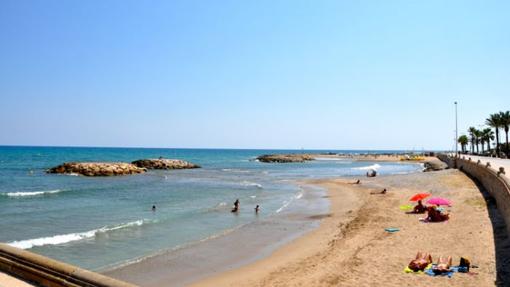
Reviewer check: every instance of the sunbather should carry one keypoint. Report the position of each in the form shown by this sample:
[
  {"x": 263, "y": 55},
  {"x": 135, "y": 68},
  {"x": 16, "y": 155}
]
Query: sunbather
[
  {"x": 420, "y": 262},
  {"x": 419, "y": 208},
  {"x": 443, "y": 265},
  {"x": 434, "y": 215},
  {"x": 379, "y": 192}
]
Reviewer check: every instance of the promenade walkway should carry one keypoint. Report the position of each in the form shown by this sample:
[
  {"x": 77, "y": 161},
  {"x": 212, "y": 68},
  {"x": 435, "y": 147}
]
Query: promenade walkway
[{"x": 496, "y": 163}]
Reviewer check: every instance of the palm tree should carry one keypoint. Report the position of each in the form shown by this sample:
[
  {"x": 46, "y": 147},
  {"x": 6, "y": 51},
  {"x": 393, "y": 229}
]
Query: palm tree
[
  {"x": 505, "y": 123},
  {"x": 463, "y": 140},
  {"x": 494, "y": 121},
  {"x": 488, "y": 135},
  {"x": 472, "y": 135},
  {"x": 482, "y": 140},
  {"x": 477, "y": 140}
]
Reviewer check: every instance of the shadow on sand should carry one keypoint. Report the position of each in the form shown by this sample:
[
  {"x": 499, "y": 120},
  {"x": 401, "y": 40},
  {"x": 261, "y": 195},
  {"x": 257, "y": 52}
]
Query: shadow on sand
[{"x": 501, "y": 239}]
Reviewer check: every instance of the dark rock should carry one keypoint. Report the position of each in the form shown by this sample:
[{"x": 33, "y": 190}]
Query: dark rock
[
  {"x": 285, "y": 158},
  {"x": 164, "y": 164},
  {"x": 434, "y": 165},
  {"x": 372, "y": 173}
]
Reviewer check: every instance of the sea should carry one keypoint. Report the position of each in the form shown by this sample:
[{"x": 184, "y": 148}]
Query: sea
[{"x": 102, "y": 222}]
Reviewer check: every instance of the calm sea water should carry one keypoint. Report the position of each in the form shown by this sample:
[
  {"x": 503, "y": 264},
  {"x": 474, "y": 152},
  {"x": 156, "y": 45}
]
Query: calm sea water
[{"x": 101, "y": 222}]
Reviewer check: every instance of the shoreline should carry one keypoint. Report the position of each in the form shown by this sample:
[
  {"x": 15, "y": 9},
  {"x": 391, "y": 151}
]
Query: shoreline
[
  {"x": 228, "y": 250},
  {"x": 344, "y": 248}
]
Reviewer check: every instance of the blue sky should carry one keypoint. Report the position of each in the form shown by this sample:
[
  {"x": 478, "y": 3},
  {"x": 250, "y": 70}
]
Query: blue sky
[{"x": 250, "y": 74}]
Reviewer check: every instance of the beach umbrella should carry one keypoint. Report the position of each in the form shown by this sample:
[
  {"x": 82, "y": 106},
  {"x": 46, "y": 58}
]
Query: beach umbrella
[
  {"x": 419, "y": 196},
  {"x": 439, "y": 201}
]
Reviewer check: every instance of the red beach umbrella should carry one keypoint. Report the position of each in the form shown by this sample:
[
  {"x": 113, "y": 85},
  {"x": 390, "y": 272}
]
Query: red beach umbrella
[
  {"x": 419, "y": 196},
  {"x": 439, "y": 201}
]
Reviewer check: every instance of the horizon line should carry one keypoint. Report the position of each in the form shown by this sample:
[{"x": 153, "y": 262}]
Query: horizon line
[{"x": 217, "y": 148}]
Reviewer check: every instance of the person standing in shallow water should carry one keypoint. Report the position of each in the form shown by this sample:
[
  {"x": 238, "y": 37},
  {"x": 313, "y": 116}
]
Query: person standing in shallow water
[
  {"x": 153, "y": 208},
  {"x": 236, "y": 206},
  {"x": 257, "y": 209}
]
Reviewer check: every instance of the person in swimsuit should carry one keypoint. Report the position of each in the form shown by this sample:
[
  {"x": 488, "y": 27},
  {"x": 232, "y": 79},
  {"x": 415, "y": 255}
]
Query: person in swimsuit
[
  {"x": 421, "y": 262},
  {"x": 419, "y": 208},
  {"x": 236, "y": 206},
  {"x": 434, "y": 215},
  {"x": 443, "y": 265}
]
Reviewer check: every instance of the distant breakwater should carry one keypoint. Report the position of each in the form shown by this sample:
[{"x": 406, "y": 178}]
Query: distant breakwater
[{"x": 119, "y": 168}]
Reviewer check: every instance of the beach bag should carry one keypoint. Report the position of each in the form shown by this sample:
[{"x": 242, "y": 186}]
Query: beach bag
[{"x": 464, "y": 265}]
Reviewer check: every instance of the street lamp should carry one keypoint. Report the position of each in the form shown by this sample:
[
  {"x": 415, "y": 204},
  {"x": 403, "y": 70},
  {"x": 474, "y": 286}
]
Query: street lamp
[{"x": 456, "y": 131}]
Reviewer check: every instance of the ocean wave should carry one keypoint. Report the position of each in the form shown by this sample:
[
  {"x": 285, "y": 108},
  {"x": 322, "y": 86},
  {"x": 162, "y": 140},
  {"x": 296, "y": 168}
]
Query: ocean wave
[
  {"x": 66, "y": 238},
  {"x": 249, "y": 183},
  {"x": 32, "y": 193},
  {"x": 235, "y": 170},
  {"x": 285, "y": 204},
  {"x": 374, "y": 167}
]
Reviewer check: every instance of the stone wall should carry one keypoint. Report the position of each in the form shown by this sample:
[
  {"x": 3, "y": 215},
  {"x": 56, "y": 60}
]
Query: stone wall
[
  {"x": 495, "y": 182},
  {"x": 46, "y": 272}
]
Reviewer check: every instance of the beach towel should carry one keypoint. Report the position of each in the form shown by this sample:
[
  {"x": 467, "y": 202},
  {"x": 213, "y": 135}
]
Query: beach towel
[
  {"x": 406, "y": 207},
  {"x": 450, "y": 273},
  {"x": 409, "y": 270}
]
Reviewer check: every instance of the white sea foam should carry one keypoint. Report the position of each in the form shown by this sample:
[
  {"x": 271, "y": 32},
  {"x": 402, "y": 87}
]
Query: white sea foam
[
  {"x": 299, "y": 195},
  {"x": 235, "y": 170},
  {"x": 253, "y": 196},
  {"x": 285, "y": 204},
  {"x": 65, "y": 238},
  {"x": 374, "y": 167},
  {"x": 249, "y": 183},
  {"x": 32, "y": 193}
]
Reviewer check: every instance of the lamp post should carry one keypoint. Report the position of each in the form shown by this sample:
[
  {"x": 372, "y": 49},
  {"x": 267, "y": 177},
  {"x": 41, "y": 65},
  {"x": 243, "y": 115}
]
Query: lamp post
[{"x": 456, "y": 131}]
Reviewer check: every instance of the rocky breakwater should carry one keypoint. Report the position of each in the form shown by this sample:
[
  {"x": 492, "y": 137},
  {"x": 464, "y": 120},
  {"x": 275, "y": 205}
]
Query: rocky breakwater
[
  {"x": 164, "y": 164},
  {"x": 434, "y": 165},
  {"x": 97, "y": 168},
  {"x": 285, "y": 158}
]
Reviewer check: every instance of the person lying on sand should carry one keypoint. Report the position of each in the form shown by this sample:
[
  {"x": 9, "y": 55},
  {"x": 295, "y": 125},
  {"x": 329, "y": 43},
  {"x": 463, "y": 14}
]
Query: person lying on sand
[
  {"x": 379, "y": 192},
  {"x": 357, "y": 182},
  {"x": 443, "y": 265},
  {"x": 434, "y": 215},
  {"x": 421, "y": 262}
]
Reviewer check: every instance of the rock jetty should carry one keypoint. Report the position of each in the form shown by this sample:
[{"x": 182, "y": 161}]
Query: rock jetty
[
  {"x": 285, "y": 158},
  {"x": 164, "y": 164},
  {"x": 97, "y": 168},
  {"x": 434, "y": 165}
]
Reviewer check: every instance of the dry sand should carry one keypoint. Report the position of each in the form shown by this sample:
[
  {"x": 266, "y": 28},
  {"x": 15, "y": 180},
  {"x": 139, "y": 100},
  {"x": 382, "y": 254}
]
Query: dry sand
[
  {"x": 351, "y": 248},
  {"x": 374, "y": 157},
  {"x": 10, "y": 281}
]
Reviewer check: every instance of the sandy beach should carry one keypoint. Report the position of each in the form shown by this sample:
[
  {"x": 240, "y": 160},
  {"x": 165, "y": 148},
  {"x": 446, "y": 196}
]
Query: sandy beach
[{"x": 351, "y": 247}]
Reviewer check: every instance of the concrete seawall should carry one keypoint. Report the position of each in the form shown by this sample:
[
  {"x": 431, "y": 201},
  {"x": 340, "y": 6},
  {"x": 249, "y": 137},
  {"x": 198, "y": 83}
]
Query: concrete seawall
[
  {"x": 46, "y": 272},
  {"x": 493, "y": 180}
]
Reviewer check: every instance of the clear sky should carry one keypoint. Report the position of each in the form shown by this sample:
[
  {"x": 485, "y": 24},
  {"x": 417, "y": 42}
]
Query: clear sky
[{"x": 250, "y": 74}]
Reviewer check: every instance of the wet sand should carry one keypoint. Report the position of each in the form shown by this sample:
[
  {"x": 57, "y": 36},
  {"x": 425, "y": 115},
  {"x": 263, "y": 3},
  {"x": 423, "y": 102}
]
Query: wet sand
[{"x": 351, "y": 247}]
